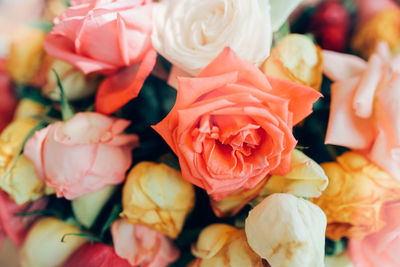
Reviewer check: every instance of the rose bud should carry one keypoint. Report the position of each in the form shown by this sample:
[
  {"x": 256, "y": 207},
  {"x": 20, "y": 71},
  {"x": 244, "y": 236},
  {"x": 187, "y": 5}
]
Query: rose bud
[
  {"x": 296, "y": 59},
  {"x": 142, "y": 246},
  {"x": 17, "y": 173},
  {"x": 46, "y": 244},
  {"x": 298, "y": 239},
  {"x": 384, "y": 25},
  {"x": 224, "y": 245},
  {"x": 330, "y": 25},
  {"x": 28, "y": 108},
  {"x": 305, "y": 179},
  {"x": 13, "y": 226},
  {"x": 354, "y": 197},
  {"x": 25, "y": 54},
  {"x": 229, "y": 206},
  {"x": 86, "y": 208},
  {"x": 341, "y": 260},
  {"x": 96, "y": 255},
  {"x": 82, "y": 155},
  {"x": 156, "y": 195},
  {"x": 75, "y": 83}
]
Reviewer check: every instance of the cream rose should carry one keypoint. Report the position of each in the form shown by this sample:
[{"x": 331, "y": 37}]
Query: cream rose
[{"x": 191, "y": 33}]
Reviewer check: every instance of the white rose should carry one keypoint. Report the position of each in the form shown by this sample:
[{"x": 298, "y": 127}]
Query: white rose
[
  {"x": 287, "y": 231},
  {"x": 191, "y": 33}
]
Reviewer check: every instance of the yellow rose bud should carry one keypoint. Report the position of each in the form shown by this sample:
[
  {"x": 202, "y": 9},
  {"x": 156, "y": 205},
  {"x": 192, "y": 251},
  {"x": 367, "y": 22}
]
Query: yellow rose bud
[
  {"x": 287, "y": 231},
  {"x": 341, "y": 260},
  {"x": 296, "y": 59},
  {"x": 17, "y": 173},
  {"x": 28, "y": 108},
  {"x": 305, "y": 179},
  {"x": 221, "y": 245},
  {"x": 384, "y": 26},
  {"x": 25, "y": 54},
  {"x": 87, "y": 208},
  {"x": 75, "y": 83},
  {"x": 43, "y": 246},
  {"x": 232, "y": 204},
  {"x": 156, "y": 195},
  {"x": 354, "y": 197}
]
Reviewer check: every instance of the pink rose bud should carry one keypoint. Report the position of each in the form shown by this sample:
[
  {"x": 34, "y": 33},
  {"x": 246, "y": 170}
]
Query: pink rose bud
[{"x": 82, "y": 155}]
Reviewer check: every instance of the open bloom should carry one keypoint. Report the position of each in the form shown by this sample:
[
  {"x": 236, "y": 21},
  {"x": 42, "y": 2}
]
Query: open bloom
[
  {"x": 355, "y": 195},
  {"x": 224, "y": 245},
  {"x": 287, "y": 231},
  {"x": 96, "y": 255},
  {"x": 156, "y": 195},
  {"x": 43, "y": 247},
  {"x": 104, "y": 37},
  {"x": 365, "y": 106},
  {"x": 381, "y": 248},
  {"x": 12, "y": 225},
  {"x": 142, "y": 246},
  {"x": 232, "y": 126},
  {"x": 83, "y": 154}
]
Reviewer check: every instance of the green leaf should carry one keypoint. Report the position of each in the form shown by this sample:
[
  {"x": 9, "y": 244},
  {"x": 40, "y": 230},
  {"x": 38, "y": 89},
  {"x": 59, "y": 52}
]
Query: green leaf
[
  {"x": 66, "y": 109},
  {"x": 88, "y": 236},
  {"x": 114, "y": 214}
]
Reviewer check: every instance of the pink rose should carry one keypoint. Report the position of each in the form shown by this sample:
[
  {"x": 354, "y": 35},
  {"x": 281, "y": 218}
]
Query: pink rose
[
  {"x": 15, "y": 227},
  {"x": 365, "y": 106},
  {"x": 105, "y": 36},
  {"x": 143, "y": 246},
  {"x": 381, "y": 248},
  {"x": 82, "y": 155},
  {"x": 8, "y": 101}
]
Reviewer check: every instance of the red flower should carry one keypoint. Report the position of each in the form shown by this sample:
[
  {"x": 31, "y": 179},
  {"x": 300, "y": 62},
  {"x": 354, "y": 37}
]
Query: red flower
[
  {"x": 7, "y": 99},
  {"x": 96, "y": 255}
]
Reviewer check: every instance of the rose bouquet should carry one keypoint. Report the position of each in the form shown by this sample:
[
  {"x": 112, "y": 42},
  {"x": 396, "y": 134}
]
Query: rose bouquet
[{"x": 201, "y": 133}]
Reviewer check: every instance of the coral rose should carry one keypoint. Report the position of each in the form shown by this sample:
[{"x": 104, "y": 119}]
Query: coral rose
[
  {"x": 381, "y": 248},
  {"x": 82, "y": 155},
  {"x": 365, "y": 106},
  {"x": 232, "y": 126},
  {"x": 142, "y": 246},
  {"x": 96, "y": 255},
  {"x": 224, "y": 245},
  {"x": 354, "y": 197},
  {"x": 105, "y": 36},
  {"x": 13, "y": 226}
]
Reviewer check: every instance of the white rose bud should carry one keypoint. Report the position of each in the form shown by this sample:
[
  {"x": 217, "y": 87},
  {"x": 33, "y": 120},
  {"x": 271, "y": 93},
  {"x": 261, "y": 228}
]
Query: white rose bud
[{"x": 287, "y": 231}]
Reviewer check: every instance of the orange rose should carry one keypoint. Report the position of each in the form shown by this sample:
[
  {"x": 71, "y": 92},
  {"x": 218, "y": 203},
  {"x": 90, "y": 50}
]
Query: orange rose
[{"x": 231, "y": 126}]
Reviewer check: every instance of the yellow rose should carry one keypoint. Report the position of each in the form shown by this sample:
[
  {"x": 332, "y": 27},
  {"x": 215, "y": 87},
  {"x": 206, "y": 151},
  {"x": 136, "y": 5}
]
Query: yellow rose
[
  {"x": 87, "y": 208},
  {"x": 75, "y": 83},
  {"x": 305, "y": 179},
  {"x": 43, "y": 247},
  {"x": 384, "y": 26},
  {"x": 354, "y": 197},
  {"x": 28, "y": 108},
  {"x": 287, "y": 231},
  {"x": 296, "y": 59},
  {"x": 156, "y": 195},
  {"x": 221, "y": 245},
  {"x": 17, "y": 173},
  {"x": 25, "y": 54}
]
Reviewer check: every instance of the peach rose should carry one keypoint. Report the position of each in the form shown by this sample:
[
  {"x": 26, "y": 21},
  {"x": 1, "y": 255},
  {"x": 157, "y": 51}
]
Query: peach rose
[
  {"x": 365, "y": 106},
  {"x": 105, "y": 36},
  {"x": 143, "y": 246},
  {"x": 355, "y": 195},
  {"x": 82, "y": 155},
  {"x": 381, "y": 248},
  {"x": 231, "y": 126}
]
